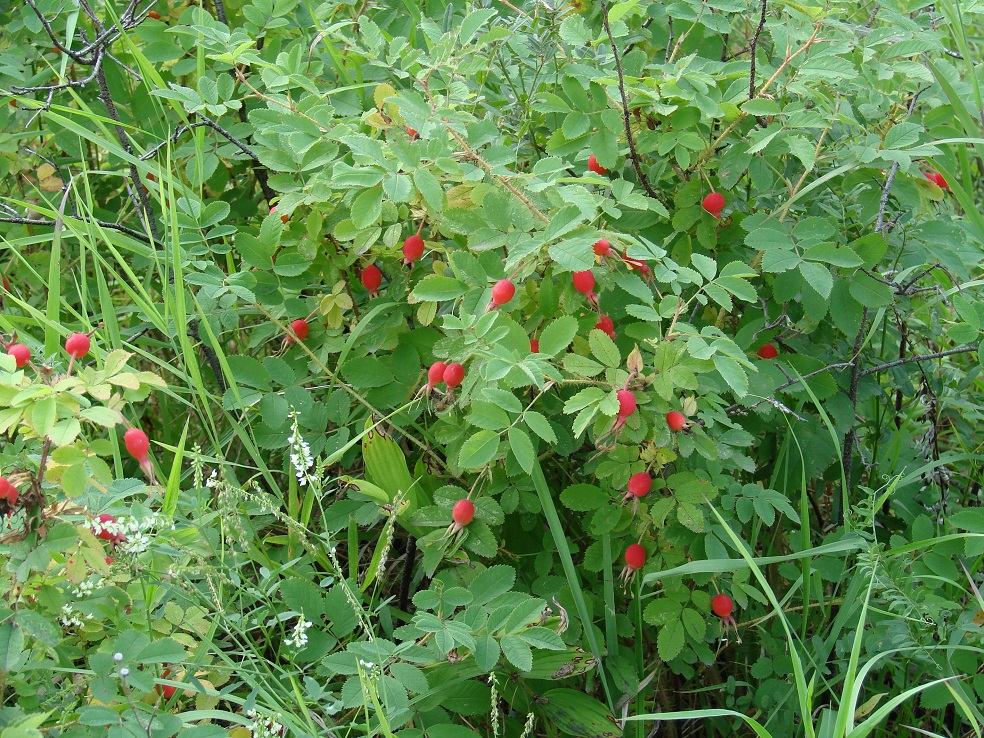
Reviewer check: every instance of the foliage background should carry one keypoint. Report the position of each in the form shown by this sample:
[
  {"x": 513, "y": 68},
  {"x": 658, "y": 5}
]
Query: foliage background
[{"x": 291, "y": 566}]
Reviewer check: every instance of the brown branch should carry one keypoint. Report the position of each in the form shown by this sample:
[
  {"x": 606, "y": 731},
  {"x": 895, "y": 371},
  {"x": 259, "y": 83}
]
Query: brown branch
[
  {"x": 850, "y": 437},
  {"x": 921, "y": 357},
  {"x": 103, "y": 223},
  {"x": 752, "y": 47},
  {"x": 626, "y": 117}
]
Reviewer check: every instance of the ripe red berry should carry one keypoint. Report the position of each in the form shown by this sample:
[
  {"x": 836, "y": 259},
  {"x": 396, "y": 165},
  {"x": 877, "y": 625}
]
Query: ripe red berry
[
  {"x": 137, "y": 443},
  {"x": 606, "y": 325},
  {"x": 21, "y": 354},
  {"x": 435, "y": 375},
  {"x": 165, "y": 690},
  {"x": 371, "y": 278},
  {"x": 584, "y": 281},
  {"x": 454, "y": 375},
  {"x": 7, "y": 489},
  {"x": 109, "y": 559},
  {"x": 602, "y": 247},
  {"x": 714, "y": 203},
  {"x": 12, "y": 496},
  {"x": 534, "y": 346},
  {"x": 626, "y": 403},
  {"x": 299, "y": 328},
  {"x": 78, "y": 345},
  {"x": 768, "y": 351},
  {"x": 412, "y": 132},
  {"x": 503, "y": 292},
  {"x": 154, "y": 14},
  {"x": 463, "y": 512},
  {"x": 938, "y": 179},
  {"x": 635, "y": 556},
  {"x": 413, "y": 249},
  {"x": 640, "y": 484},
  {"x": 102, "y": 532},
  {"x": 676, "y": 420},
  {"x": 722, "y": 605},
  {"x": 594, "y": 166}
]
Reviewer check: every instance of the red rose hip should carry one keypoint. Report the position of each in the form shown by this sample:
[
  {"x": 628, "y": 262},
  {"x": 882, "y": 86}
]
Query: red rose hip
[
  {"x": 676, "y": 420},
  {"x": 78, "y": 345},
  {"x": 594, "y": 166},
  {"x": 602, "y": 248},
  {"x": 413, "y": 249},
  {"x": 722, "y": 605},
  {"x": 626, "y": 403},
  {"x": 435, "y": 375},
  {"x": 534, "y": 346},
  {"x": 635, "y": 556},
  {"x": 371, "y": 278},
  {"x": 21, "y": 354},
  {"x": 714, "y": 203},
  {"x": 137, "y": 444},
  {"x": 768, "y": 351},
  {"x": 463, "y": 512},
  {"x": 640, "y": 484},
  {"x": 584, "y": 281},
  {"x": 299, "y": 328},
  {"x": 7, "y": 489},
  {"x": 503, "y": 292},
  {"x": 454, "y": 375}
]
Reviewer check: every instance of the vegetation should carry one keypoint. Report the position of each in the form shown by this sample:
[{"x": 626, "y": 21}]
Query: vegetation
[{"x": 442, "y": 370}]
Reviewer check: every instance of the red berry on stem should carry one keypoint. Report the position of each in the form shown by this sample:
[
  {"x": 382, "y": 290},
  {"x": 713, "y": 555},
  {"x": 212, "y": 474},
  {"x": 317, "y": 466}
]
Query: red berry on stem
[
  {"x": 7, "y": 489},
  {"x": 413, "y": 249},
  {"x": 676, "y": 420},
  {"x": 137, "y": 443},
  {"x": 938, "y": 179},
  {"x": 463, "y": 512},
  {"x": 768, "y": 351},
  {"x": 78, "y": 345},
  {"x": 606, "y": 325},
  {"x": 722, "y": 605},
  {"x": 602, "y": 247},
  {"x": 640, "y": 484},
  {"x": 435, "y": 375},
  {"x": 454, "y": 375},
  {"x": 714, "y": 203},
  {"x": 635, "y": 556},
  {"x": 626, "y": 403},
  {"x": 21, "y": 354},
  {"x": 503, "y": 292},
  {"x": 584, "y": 281},
  {"x": 594, "y": 166},
  {"x": 102, "y": 532},
  {"x": 412, "y": 132},
  {"x": 534, "y": 346},
  {"x": 154, "y": 14},
  {"x": 371, "y": 278},
  {"x": 299, "y": 328}
]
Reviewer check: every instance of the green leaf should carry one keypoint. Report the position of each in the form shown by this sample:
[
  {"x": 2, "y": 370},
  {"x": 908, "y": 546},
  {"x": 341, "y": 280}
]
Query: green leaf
[
  {"x": 733, "y": 374},
  {"x": 486, "y": 652},
  {"x": 818, "y": 277},
  {"x": 833, "y": 254},
  {"x": 540, "y": 425},
  {"x": 479, "y": 450},
  {"x": 12, "y": 647},
  {"x": 578, "y": 714},
  {"x": 537, "y": 637},
  {"x": 522, "y": 448},
  {"x": 584, "y": 497},
  {"x": 491, "y": 583},
  {"x": 471, "y": 23},
  {"x": 870, "y": 292},
  {"x": 574, "y": 253},
  {"x": 604, "y": 349},
  {"x": 671, "y": 640},
  {"x": 518, "y": 653},
  {"x": 367, "y": 207},
  {"x": 586, "y": 397},
  {"x": 429, "y": 187},
  {"x": 558, "y": 334}
]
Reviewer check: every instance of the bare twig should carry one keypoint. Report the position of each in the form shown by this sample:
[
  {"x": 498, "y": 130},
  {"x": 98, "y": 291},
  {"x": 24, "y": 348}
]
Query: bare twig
[
  {"x": 103, "y": 223},
  {"x": 731, "y": 409},
  {"x": 850, "y": 437},
  {"x": 753, "y": 47},
  {"x": 626, "y": 116},
  {"x": 921, "y": 357}
]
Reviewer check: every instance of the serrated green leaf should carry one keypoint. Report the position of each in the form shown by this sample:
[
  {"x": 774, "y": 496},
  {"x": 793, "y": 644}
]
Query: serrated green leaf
[
  {"x": 522, "y": 448},
  {"x": 604, "y": 349},
  {"x": 479, "y": 450},
  {"x": 558, "y": 334},
  {"x": 540, "y": 425}
]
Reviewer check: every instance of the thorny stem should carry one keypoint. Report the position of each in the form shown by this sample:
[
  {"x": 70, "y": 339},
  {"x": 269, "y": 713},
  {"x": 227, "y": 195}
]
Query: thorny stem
[
  {"x": 753, "y": 46},
  {"x": 850, "y": 437},
  {"x": 633, "y": 154}
]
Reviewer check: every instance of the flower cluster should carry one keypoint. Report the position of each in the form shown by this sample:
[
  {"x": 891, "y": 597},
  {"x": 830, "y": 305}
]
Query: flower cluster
[
  {"x": 300, "y": 453},
  {"x": 132, "y": 535},
  {"x": 299, "y": 638},
  {"x": 265, "y": 726},
  {"x": 70, "y": 617}
]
